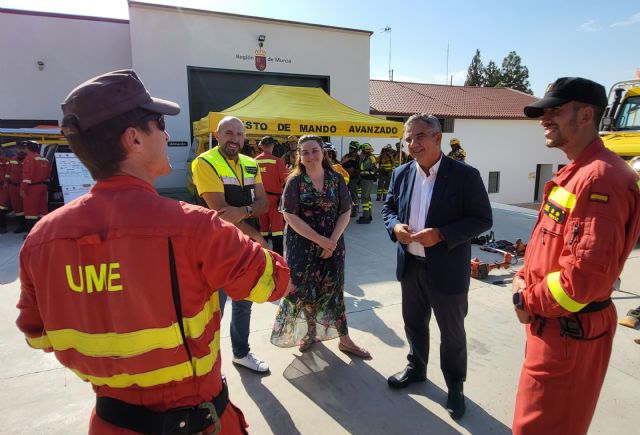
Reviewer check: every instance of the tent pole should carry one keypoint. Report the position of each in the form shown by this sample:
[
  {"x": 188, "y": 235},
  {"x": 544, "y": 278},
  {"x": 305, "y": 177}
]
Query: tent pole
[{"x": 341, "y": 152}]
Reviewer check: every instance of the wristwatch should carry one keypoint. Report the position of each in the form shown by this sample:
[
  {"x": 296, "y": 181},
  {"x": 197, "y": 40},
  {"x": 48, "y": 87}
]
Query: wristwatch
[
  {"x": 518, "y": 302},
  {"x": 249, "y": 211}
]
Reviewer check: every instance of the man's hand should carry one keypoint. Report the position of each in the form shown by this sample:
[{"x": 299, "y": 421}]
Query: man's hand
[
  {"x": 403, "y": 233},
  {"x": 518, "y": 285},
  {"x": 231, "y": 214},
  {"x": 427, "y": 237},
  {"x": 259, "y": 239}
]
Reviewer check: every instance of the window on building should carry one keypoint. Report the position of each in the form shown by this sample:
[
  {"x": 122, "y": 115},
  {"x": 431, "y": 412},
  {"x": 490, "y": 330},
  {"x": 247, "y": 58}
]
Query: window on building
[
  {"x": 401, "y": 119},
  {"x": 494, "y": 182},
  {"x": 446, "y": 124}
]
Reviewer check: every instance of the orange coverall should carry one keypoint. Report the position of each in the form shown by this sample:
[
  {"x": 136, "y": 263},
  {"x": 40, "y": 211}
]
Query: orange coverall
[
  {"x": 4, "y": 187},
  {"x": 14, "y": 178},
  {"x": 588, "y": 224},
  {"x": 97, "y": 290},
  {"x": 35, "y": 176},
  {"x": 274, "y": 173}
]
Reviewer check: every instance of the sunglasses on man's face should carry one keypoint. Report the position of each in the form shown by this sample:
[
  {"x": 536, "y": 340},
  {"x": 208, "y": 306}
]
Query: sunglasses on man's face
[{"x": 157, "y": 117}]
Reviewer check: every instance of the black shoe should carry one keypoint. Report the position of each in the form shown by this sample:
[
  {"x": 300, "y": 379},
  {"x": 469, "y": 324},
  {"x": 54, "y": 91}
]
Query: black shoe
[
  {"x": 362, "y": 220},
  {"x": 20, "y": 229},
  {"x": 354, "y": 213},
  {"x": 3, "y": 230},
  {"x": 404, "y": 378},
  {"x": 455, "y": 403},
  {"x": 378, "y": 198}
]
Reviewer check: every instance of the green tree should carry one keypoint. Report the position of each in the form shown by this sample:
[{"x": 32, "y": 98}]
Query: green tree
[
  {"x": 514, "y": 74},
  {"x": 475, "y": 72},
  {"x": 492, "y": 75}
]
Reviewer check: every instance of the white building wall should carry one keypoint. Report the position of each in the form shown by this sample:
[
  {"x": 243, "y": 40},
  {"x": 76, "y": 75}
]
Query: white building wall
[
  {"x": 72, "y": 50},
  {"x": 166, "y": 40},
  {"x": 512, "y": 147}
]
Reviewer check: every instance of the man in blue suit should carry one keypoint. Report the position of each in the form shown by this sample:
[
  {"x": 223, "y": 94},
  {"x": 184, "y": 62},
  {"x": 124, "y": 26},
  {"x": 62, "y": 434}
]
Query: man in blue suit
[{"x": 434, "y": 207}]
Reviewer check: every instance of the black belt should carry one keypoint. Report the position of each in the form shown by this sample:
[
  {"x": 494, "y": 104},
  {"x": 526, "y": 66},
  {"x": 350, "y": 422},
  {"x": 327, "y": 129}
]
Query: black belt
[
  {"x": 274, "y": 194},
  {"x": 417, "y": 258},
  {"x": 188, "y": 420},
  {"x": 40, "y": 182},
  {"x": 595, "y": 306},
  {"x": 13, "y": 184}
]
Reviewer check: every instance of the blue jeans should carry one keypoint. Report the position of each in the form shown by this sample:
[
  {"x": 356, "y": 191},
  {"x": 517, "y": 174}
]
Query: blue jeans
[{"x": 240, "y": 322}]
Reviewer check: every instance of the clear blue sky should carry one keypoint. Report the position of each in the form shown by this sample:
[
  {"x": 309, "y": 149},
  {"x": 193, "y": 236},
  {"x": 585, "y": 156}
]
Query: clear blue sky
[{"x": 596, "y": 39}]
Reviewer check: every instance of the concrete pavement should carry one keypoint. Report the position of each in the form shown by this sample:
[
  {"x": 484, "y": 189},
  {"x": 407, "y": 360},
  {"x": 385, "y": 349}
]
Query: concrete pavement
[{"x": 325, "y": 391}]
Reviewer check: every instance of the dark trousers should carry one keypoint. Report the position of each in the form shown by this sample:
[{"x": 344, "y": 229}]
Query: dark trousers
[{"x": 418, "y": 300}]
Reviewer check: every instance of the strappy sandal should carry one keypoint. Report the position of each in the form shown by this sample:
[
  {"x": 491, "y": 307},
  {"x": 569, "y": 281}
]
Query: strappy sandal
[
  {"x": 355, "y": 351},
  {"x": 305, "y": 343}
]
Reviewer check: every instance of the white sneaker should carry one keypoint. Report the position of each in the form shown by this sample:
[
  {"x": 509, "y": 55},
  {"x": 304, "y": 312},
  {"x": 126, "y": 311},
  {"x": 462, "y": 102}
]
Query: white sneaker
[{"x": 251, "y": 362}]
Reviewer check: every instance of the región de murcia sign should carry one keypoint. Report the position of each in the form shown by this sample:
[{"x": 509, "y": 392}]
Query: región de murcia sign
[{"x": 261, "y": 60}]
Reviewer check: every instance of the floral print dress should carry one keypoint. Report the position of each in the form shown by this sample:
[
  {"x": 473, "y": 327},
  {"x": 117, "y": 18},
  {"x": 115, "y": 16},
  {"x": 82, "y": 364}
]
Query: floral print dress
[{"x": 314, "y": 310}]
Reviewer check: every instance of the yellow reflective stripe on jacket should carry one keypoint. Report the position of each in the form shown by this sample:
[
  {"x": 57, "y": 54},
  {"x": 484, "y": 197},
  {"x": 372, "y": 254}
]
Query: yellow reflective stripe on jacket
[
  {"x": 161, "y": 376},
  {"x": 194, "y": 326},
  {"x": 265, "y": 285},
  {"x": 128, "y": 344},
  {"x": 562, "y": 197},
  {"x": 273, "y": 162},
  {"x": 41, "y": 342},
  {"x": 560, "y": 295}
]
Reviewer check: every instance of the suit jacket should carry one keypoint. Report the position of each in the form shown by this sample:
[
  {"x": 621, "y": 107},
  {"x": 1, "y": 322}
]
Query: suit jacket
[{"x": 459, "y": 208}]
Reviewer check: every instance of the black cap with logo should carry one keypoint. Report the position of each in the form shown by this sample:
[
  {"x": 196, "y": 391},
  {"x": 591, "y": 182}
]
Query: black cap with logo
[{"x": 567, "y": 89}]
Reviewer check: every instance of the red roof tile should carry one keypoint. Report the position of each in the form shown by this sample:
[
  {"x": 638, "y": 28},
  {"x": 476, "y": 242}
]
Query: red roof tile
[{"x": 443, "y": 101}]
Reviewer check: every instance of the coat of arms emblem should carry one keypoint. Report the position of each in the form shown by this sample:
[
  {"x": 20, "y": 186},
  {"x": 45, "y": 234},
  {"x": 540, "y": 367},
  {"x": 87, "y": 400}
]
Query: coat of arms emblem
[{"x": 261, "y": 59}]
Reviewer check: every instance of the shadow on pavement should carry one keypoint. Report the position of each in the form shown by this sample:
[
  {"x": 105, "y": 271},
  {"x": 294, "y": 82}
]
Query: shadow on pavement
[
  {"x": 368, "y": 320},
  {"x": 358, "y": 398},
  {"x": 276, "y": 415}
]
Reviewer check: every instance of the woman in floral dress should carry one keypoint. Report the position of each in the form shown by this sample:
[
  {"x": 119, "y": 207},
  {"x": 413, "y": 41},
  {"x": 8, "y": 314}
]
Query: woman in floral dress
[{"x": 316, "y": 206}]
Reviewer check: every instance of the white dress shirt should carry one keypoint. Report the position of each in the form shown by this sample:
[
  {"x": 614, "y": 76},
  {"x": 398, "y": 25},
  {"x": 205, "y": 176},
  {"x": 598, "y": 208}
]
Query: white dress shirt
[{"x": 420, "y": 202}]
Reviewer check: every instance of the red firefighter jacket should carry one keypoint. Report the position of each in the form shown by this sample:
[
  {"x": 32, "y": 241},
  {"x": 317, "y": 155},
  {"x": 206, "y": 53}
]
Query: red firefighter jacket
[
  {"x": 96, "y": 289},
  {"x": 588, "y": 223},
  {"x": 14, "y": 171},
  {"x": 35, "y": 170},
  {"x": 273, "y": 172}
]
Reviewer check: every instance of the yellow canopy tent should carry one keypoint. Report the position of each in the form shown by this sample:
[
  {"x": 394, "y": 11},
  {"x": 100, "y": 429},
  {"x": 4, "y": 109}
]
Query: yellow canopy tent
[{"x": 285, "y": 110}]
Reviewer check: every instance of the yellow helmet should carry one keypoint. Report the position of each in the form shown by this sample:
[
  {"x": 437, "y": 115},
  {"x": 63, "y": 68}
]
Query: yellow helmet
[
  {"x": 366, "y": 147},
  {"x": 454, "y": 141}
]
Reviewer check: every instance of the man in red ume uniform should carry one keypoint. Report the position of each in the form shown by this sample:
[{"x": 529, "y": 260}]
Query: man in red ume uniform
[
  {"x": 121, "y": 283},
  {"x": 588, "y": 223},
  {"x": 34, "y": 187}
]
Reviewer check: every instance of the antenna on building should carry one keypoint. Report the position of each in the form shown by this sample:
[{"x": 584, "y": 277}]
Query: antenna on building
[
  {"x": 447, "y": 74},
  {"x": 388, "y": 30}
]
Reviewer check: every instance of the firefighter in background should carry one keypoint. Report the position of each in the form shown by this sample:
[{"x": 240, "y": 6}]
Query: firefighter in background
[
  {"x": 385, "y": 166},
  {"x": 250, "y": 148},
  {"x": 34, "y": 187},
  {"x": 333, "y": 159},
  {"x": 400, "y": 157},
  {"x": 14, "y": 180},
  {"x": 292, "y": 155},
  {"x": 368, "y": 170},
  {"x": 456, "y": 153},
  {"x": 4, "y": 190},
  {"x": 587, "y": 226},
  {"x": 274, "y": 174},
  {"x": 351, "y": 163}
]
